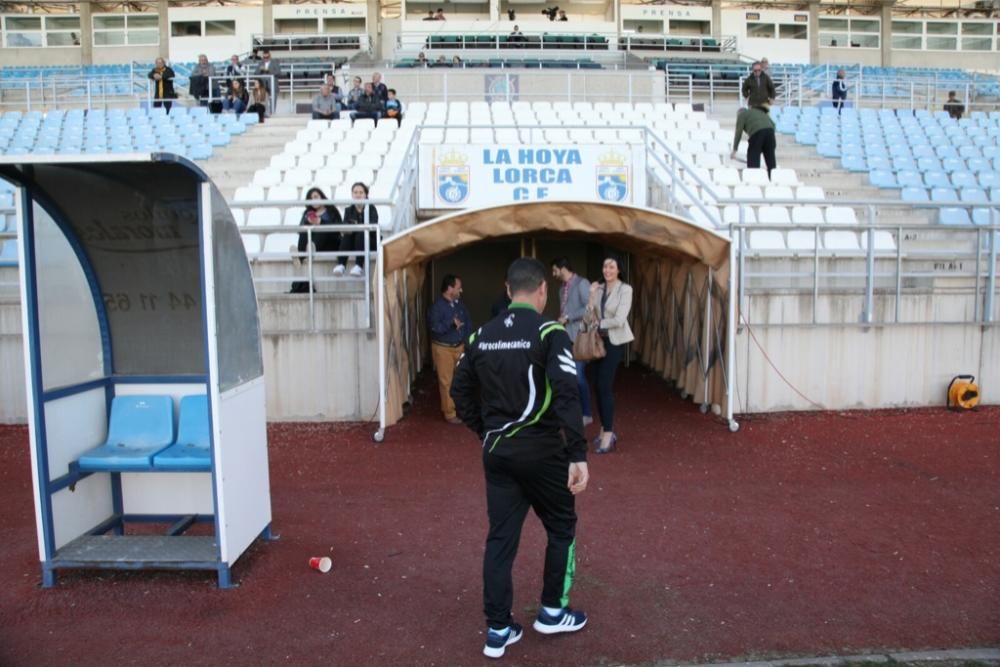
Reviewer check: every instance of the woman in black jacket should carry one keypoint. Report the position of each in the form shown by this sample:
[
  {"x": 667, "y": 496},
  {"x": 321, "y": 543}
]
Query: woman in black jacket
[
  {"x": 355, "y": 241},
  {"x": 163, "y": 90},
  {"x": 322, "y": 242}
]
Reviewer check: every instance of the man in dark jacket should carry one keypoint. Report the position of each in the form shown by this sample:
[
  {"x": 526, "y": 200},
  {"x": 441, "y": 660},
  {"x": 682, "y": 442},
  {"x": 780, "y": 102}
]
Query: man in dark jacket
[
  {"x": 515, "y": 387},
  {"x": 758, "y": 87},
  {"x": 839, "y": 91},
  {"x": 163, "y": 85},
  {"x": 369, "y": 105}
]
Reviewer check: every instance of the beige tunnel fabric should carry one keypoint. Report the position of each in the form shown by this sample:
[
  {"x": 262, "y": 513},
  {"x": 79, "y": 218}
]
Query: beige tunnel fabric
[{"x": 677, "y": 265}]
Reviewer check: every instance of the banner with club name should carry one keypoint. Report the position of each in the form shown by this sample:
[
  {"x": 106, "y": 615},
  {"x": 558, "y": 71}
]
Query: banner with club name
[{"x": 476, "y": 176}]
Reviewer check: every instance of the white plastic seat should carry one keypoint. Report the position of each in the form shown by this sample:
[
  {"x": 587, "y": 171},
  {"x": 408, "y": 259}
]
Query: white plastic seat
[
  {"x": 366, "y": 124},
  {"x": 328, "y": 176},
  {"x": 766, "y": 239},
  {"x": 293, "y": 215},
  {"x": 264, "y": 217},
  {"x": 376, "y": 147},
  {"x": 279, "y": 246},
  {"x": 699, "y": 216},
  {"x": 787, "y": 177},
  {"x": 801, "y": 239},
  {"x": 249, "y": 193},
  {"x": 810, "y": 193},
  {"x": 456, "y": 136},
  {"x": 283, "y": 161},
  {"x": 312, "y": 161},
  {"x": 773, "y": 215},
  {"x": 239, "y": 216},
  {"x": 726, "y": 176},
  {"x": 349, "y": 146},
  {"x": 778, "y": 192},
  {"x": 283, "y": 193},
  {"x": 807, "y": 215},
  {"x": 883, "y": 241},
  {"x": 251, "y": 244},
  {"x": 267, "y": 177},
  {"x": 300, "y": 177},
  {"x": 747, "y": 192},
  {"x": 841, "y": 215},
  {"x": 368, "y": 160},
  {"x": 481, "y": 135},
  {"x": 840, "y": 240},
  {"x": 708, "y": 160},
  {"x": 755, "y": 177},
  {"x": 731, "y": 214},
  {"x": 297, "y": 147},
  {"x": 359, "y": 175}
]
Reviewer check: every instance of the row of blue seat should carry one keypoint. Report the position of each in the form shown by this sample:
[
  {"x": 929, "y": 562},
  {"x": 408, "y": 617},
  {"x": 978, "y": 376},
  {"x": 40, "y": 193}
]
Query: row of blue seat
[
  {"x": 886, "y": 178},
  {"x": 141, "y": 437}
]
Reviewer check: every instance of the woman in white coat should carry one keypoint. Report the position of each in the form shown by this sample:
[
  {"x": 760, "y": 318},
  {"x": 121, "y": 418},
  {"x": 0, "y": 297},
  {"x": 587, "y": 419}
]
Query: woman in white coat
[{"x": 610, "y": 302}]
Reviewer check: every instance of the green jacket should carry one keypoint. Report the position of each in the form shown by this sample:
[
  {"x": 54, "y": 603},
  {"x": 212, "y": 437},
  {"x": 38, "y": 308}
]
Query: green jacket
[{"x": 750, "y": 121}]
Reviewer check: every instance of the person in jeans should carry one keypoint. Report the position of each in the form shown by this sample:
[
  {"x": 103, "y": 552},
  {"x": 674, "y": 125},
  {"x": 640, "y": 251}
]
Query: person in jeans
[
  {"x": 574, "y": 296},
  {"x": 237, "y": 98},
  {"x": 450, "y": 326},
  {"x": 355, "y": 241},
  {"x": 515, "y": 388},
  {"x": 610, "y": 303},
  {"x": 259, "y": 100},
  {"x": 324, "y": 105},
  {"x": 369, "y": 105}
]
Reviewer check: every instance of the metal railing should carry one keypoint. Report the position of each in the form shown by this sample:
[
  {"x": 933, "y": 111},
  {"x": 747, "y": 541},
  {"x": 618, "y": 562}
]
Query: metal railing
[
  {"x": 677, "y": 43},
  {"x": 314, "y": 42},
  {"x": 58, "y": 92}
]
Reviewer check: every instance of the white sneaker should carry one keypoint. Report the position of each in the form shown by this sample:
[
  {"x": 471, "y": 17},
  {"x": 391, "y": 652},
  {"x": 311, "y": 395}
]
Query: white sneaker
[
  {"x": 338, "y": 270},
  {"x": 357, "y": 271}
]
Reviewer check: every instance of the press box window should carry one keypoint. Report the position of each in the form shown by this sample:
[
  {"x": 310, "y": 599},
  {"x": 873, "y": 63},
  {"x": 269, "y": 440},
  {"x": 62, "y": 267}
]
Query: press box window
[
  {"x": 185, "y": 28},
  {"x": 220, "y": 28},
  {"x": 793, "y": 31},
  {"x": 760, "y": 30}
]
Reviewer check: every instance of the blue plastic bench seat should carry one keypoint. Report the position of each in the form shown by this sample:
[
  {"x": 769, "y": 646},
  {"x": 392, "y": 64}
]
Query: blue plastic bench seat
[
  {"x": 140, "y": 427},
  {"x": 191, "y": 451}
]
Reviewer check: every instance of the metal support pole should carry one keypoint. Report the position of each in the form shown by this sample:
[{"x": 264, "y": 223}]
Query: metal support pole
[
  {"x": 815, "y": 303},
  {"x": 312, "y": 298},
  {"x": 899, "y": 269},
  {"x": 731, "y": 335},
  {"x": 870, "y": 268},
  {"x": 991, "y": 274},
  {"x": 379, "y": 435},
  {"x": 707, "y": 349},
  {"x": 742, "y": 263}
]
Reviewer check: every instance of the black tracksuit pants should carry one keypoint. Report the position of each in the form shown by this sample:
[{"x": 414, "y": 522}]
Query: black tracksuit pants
[
  {"x": 512, "y": 487},
  {"x": 762, "y": 141}
]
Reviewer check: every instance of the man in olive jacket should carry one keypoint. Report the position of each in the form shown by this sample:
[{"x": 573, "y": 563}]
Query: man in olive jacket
[{"x": 759, "y": 128}]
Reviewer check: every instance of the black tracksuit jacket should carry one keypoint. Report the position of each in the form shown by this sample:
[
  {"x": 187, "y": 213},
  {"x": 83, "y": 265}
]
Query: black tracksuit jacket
[{"x": 516, "y": 387}]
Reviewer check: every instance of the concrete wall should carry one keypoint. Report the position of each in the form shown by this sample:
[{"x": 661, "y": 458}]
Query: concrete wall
[{"x": 734, "y": 22}]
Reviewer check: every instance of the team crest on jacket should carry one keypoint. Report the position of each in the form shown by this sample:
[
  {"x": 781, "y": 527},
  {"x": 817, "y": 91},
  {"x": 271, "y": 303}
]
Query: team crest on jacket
[
  {"x": 509, "y": 321},
  {"x": 612, "y": 177},
  {"x": 452, "y": 177}
]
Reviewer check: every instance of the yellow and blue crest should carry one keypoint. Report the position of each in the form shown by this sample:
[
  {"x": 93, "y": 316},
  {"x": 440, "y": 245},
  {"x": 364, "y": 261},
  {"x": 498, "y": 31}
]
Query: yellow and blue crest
[
  {"x": 612, "y": 178},
  {"x": 452, "y": 177}
]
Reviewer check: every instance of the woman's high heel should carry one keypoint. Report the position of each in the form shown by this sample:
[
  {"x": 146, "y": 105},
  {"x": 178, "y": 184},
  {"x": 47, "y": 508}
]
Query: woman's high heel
[{"x": 612, "y": 444}]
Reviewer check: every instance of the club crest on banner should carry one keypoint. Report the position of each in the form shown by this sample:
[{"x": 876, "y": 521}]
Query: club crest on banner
[
  {"x": 451, "y": 176},
  {"x": 613, "y": 177}
]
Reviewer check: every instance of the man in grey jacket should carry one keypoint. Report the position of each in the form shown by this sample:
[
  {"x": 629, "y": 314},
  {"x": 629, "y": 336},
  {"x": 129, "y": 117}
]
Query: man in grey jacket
[{"x": 574, "y": 294}]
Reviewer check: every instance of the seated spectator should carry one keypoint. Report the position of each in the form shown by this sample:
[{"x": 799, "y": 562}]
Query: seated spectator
[
  {"x": 355, "y": 241},
  {"x": 338, "y": 95},
  {"x": 324, "y": 105},
  {"x": 323, "y": 242},
  {"x": 393, "y": 107},
  {"x": 441, "y": 62},
  {"x": 200, "y": 78},
  {"x": 381, "y": 90},
  {"x": 516, "y": 36},
  {"x": 422, "y": 59},
  {"x": 562, "y": 15},
  {"x": 439, "y": 15},
  {"x": 368, "y": 105},
  {"x": 259, "y": 100},
  {"x": 456, "y": 62},
  {"x": 430, "y": 15},
  {"x": 237, "y": 99},
  {"x": 954, "y": 106},
  {"x": 355, "y": 93}
]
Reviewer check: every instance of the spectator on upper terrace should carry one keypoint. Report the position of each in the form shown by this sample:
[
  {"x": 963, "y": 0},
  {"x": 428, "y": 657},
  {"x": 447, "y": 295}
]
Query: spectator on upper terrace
[
  {"x": 259, "y": 100},
  {"x": 430, "y": 15},
  {"x": 201, "y": 78},
  {"x": 511, "y": 14},
  {"x": 369, "y": 105},
  {"x": 317, "y": 214},
  {"x": 516, "y": 36},
  {"x": 324, "y": 105},
  {"x": 355, "y": 241},
  {"x": 380, "y": 88},
  {"x": 269, "y": 67},
  {"x": 393, "y": 107},
  {"x": 163, "y": 88},
  {"x": 954, "y": 106},
  {"x": 562, "y": 15},
  {"x": 236, "y": 99},
  {"x": 441, "y": 62},
  {"x": 757, "y": 123},
  {"x": 355, "y": 93},
  {"x": 439, "y": 15},
  {"x": 840, "y": 91},
  {"x": 758, "y": 87},
  {"x": 422, "y": 59},
  {"x": 456, "y": 61}
]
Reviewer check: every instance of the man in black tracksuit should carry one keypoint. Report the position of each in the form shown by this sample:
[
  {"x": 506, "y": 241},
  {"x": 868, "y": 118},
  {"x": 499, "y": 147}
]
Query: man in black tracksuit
[{"x": 516, "y": 387}]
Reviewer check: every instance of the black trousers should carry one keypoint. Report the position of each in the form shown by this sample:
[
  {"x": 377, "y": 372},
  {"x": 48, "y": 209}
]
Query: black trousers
[
  {"x": 166, "y": 104},
  {"x": 762, "y": 141},
  {"x": 604, "y": 377},
  {"x": 355, "y": 242},
  {"x": 512, "y": 487}
]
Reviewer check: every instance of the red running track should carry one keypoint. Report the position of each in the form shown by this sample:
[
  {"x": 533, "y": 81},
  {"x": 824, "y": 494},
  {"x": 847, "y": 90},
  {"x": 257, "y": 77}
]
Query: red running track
[{"x": 803, "y": 534}]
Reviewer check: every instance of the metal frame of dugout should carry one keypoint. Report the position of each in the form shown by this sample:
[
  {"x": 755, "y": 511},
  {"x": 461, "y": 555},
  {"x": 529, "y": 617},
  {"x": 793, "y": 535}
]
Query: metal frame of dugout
[{"x": 134, "y": 282}]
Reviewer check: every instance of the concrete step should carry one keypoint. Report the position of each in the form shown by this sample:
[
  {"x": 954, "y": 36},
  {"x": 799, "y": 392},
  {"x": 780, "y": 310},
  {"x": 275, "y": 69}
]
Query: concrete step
[{"x": 235, "y": 164}]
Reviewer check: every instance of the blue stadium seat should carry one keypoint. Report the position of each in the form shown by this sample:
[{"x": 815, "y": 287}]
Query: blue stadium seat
[
  {"x": 954, "y": 216},
  {"x": 936, "y": 179},
  {"x": 139, "y": 428},
  {"x": 853, "y": 163},
  {"x": 973, "y": 195},
  {"x": 989, "y": 179},
  {"x": 979, "y": 165},
  {"x": 944, "y": 195},
  {"x": 8, "y": 252},
  {"x": 882, "y": 178},
  {"x": 914, "y": 194},
  {"x": 983, "y": 216},
  {"x": 191, "y": 451},
  {"x": 964, "y": 179}
]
